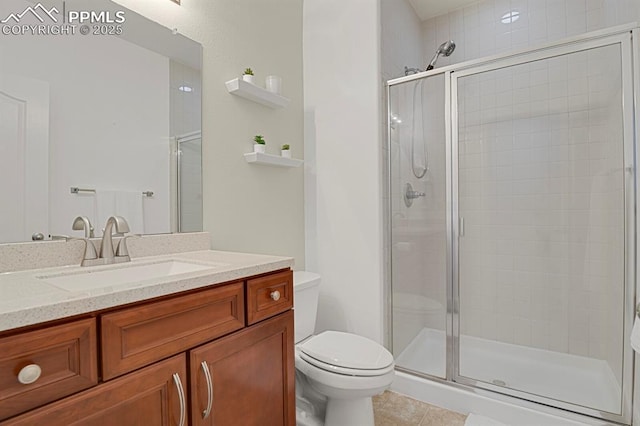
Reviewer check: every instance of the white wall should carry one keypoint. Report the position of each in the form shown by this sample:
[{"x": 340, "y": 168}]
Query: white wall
[
  {"x": 344, "y": 168},
  {"x": 246, "y": 207},
  {"x": 401, "y": 38}
]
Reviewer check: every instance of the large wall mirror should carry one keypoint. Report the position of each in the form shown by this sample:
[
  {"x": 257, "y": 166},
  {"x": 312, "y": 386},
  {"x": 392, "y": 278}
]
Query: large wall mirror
[{"x": 97, "y": 117}]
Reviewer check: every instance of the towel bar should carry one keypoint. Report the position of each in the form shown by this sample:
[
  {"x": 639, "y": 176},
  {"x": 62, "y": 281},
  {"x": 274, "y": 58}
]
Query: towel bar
[{"x": 76, "y": 190}]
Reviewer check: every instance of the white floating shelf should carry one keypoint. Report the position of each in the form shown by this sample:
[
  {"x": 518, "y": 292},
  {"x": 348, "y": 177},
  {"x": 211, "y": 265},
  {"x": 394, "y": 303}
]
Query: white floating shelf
[
  {"x": 241, "y": 88},
  {"x": 271, "y": 160}
]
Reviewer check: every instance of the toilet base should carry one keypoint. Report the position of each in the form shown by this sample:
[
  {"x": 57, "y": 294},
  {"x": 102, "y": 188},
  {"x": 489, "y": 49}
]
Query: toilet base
[{"x": 342, "y": 412}]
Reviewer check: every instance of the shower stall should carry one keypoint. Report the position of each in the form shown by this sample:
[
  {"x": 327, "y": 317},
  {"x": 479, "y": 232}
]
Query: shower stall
[{"x": 512, "y": 194}]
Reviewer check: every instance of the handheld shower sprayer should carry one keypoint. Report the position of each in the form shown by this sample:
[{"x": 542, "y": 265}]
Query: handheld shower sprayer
[{"x": 445, "y": 49}]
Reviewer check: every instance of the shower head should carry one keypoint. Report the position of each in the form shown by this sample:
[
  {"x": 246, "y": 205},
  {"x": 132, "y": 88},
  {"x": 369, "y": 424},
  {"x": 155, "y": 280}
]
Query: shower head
[{"x": 445, "y": 49}]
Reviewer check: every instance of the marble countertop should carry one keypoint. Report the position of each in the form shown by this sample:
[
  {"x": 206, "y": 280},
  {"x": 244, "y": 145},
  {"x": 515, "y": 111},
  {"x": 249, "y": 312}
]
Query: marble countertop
[{"x": 27, "y": 298}]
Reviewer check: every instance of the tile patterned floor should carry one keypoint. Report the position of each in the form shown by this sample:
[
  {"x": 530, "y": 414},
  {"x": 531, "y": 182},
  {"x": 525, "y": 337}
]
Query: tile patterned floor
[{"x": 392, "y": 409}]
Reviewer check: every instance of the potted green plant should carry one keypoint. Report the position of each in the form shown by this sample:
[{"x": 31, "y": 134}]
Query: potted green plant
[
  {"x": 285, "y": 151},
  {"x": 248, "y": 75},
  {"x": 259, "y": 144}
]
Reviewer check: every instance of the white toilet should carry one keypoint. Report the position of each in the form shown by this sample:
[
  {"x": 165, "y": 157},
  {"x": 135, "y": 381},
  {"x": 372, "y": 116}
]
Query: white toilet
[{"x": 336, "y": 373}]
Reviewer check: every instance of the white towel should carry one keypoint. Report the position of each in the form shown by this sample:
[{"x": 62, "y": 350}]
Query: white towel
[
  {"x": 105, "y": 206},
  {"x": 478, "y": 420},
  {"x": 635, "y": 335},
  {"x": 127, "y": 204}
]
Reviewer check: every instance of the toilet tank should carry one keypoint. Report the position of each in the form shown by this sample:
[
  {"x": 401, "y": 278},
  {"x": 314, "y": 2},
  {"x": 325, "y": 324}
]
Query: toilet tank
[{"x": 306, "y": 288}]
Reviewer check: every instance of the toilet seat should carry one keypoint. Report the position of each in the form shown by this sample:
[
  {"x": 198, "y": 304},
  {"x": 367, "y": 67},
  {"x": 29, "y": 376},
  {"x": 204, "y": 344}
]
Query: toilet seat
[
  {"x": 346, "y": 354},
  {"x": 343, "y": 370}
]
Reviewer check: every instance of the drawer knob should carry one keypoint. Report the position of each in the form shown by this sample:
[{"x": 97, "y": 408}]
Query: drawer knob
[
  {"x": 29, "y": 374},
  {"x": 275, "y": 295}
]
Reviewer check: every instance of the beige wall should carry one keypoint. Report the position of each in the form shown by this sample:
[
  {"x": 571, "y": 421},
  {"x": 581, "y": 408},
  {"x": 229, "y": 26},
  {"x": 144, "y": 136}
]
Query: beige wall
[{"x": 246, "y": 207}]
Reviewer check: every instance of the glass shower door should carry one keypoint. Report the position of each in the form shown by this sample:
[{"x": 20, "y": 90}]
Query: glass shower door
[
  {"x": 189, "y": 184},
  {"x": 543, "y": 178},
  {"x": 418, "y": 224}
]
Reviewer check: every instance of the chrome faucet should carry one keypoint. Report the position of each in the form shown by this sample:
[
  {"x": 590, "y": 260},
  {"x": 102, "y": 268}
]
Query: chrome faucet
[{"x": 107, "y": 252}]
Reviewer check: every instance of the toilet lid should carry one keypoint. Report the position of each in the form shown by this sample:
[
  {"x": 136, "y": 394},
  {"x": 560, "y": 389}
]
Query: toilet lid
[{"x": 347, "y": 350}]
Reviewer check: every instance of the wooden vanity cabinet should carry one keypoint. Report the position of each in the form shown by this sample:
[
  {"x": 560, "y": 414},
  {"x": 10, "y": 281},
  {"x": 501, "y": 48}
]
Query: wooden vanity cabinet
[{"x": 166, "y": 362}]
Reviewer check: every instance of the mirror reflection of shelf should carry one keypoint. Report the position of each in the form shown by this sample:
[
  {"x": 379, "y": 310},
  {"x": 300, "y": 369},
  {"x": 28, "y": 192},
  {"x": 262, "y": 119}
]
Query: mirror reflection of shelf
[
  {"x": 271, "y": 160},
  {"x": 255, "y": 93}
]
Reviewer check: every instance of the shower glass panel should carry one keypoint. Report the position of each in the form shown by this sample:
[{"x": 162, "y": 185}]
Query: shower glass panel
[
  {"x": 418, "y": 221},
  {"x": 541, "y": 186},
  {"x": 190, "y": 182}
]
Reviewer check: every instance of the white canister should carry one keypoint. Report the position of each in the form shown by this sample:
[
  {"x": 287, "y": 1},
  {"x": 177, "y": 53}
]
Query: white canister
[{"x": 273, "y": 83}]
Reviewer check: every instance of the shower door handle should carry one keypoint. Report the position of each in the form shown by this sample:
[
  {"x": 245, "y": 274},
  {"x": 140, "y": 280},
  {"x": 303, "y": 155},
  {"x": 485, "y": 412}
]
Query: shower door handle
[{"x": 461, "y": 227}]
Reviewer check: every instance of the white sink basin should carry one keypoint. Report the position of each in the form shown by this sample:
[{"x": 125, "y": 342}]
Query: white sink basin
[{"x": 121, "y": 274}]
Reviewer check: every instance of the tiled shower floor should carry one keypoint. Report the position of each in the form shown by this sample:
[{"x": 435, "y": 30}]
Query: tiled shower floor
[{"x": 392, "y": 409}]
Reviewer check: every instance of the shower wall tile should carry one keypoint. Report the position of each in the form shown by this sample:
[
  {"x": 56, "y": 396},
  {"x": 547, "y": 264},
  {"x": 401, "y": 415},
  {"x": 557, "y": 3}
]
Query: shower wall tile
[{"x": 484, "y": 28}]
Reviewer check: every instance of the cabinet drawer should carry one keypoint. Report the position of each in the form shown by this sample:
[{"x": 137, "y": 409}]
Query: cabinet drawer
[
  {"x": 141, "y": 335},
  {"x": 67, "y": 358},
  {"x": 269, "y": 295}
]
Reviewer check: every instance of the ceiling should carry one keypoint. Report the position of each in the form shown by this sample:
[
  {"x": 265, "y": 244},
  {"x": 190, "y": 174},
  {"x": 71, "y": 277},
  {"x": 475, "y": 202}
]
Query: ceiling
[{"x": 426, "y": 9}]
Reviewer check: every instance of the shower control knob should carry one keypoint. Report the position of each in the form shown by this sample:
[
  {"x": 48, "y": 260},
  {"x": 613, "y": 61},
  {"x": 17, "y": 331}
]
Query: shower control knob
[{"x": 275, "y": 295}]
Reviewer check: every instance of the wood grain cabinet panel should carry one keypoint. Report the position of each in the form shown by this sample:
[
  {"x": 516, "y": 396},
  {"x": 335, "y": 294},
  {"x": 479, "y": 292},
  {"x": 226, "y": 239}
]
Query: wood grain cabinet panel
[
  {"x": 251, "y": 376},
  {"x": 268, "y": 296},
  {"x": 66, "y": 355},
  {"x": 149, "y": 396},
  {"x": 138, "y": 336}
]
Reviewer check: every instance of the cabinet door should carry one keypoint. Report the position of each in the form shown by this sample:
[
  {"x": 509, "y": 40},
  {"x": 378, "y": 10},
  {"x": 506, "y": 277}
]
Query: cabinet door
[
  {"x": 251, "y": 377},
  {"x": 151, "y": 396}
]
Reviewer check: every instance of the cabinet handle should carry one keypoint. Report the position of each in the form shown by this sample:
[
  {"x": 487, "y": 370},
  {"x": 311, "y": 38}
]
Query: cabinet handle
[
  {"x": 207, "y": 375},
  {"x": 275, "y": 295},
  {"x": 29, "y": 374},
  {"x": 183, "y": 403}
]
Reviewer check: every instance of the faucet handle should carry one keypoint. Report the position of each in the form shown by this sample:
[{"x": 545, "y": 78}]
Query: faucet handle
[
  {"x": 122, "y": 251},
  {"x": 90, "y": 252}
]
